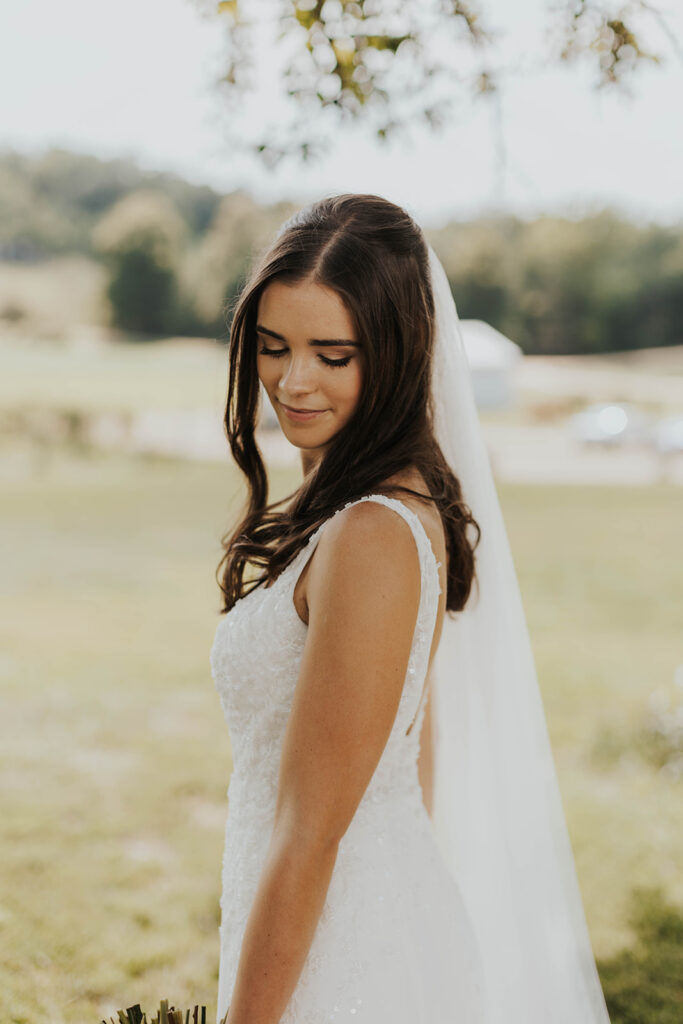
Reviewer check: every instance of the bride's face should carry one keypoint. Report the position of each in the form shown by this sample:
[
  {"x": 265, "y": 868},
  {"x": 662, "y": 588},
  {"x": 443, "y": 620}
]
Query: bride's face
[{"x": 309, "y": 360}]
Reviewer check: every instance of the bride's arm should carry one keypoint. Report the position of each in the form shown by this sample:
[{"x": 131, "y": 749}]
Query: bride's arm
[{"x": 363, "y": 592}]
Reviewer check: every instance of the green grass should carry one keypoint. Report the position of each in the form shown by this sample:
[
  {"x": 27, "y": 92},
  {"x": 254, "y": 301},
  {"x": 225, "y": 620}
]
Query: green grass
[
  {"x": 644, "y": 983},
  {"x": 115, "y": 757},
  {"x": 603, "y": 593}
]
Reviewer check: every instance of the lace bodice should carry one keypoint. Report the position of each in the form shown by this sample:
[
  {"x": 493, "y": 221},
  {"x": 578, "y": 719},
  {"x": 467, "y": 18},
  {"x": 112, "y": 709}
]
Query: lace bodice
[{"x": 255, "y": 661}]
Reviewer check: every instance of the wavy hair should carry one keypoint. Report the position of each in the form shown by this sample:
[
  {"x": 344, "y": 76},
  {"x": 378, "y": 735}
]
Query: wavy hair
[{"x": 375, "y": 257}]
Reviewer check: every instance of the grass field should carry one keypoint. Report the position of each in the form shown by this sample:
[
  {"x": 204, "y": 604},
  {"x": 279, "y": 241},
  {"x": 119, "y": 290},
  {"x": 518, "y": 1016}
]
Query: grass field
[
  {"x": 115, "y": 757},
  {"x": 121, "y": 377}
]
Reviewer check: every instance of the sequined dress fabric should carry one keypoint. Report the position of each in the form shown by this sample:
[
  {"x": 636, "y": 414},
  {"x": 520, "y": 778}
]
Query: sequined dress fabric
[{"x": 394, "y": 944}]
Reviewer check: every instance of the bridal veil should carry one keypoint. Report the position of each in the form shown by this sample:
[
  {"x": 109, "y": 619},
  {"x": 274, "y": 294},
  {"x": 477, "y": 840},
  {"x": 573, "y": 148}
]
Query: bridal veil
[{"x": 497, "y": 811}]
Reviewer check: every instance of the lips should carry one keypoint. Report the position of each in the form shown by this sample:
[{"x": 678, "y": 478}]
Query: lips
[
  {"x": 301, "y": 415},
  {"x": 291, "y": 408}
]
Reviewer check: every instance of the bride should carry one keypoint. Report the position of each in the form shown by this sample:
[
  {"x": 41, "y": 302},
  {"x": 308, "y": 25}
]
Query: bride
[{"x": 395, "y": 846}]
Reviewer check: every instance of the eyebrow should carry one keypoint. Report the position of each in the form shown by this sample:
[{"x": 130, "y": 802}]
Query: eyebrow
[{"x": 312, "y": 341}]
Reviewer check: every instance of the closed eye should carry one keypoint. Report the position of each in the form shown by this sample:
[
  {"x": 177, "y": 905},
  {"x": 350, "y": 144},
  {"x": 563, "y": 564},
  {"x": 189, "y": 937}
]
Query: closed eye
[
  {"x": 277, "y": 352},
  {"x": 263, "y": 351},
  {"x": 336, "y": 362}
]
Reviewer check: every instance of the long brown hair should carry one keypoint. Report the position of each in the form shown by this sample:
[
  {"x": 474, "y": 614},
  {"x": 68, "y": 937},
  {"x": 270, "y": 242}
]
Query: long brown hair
[{"x": 375, "y": 257}]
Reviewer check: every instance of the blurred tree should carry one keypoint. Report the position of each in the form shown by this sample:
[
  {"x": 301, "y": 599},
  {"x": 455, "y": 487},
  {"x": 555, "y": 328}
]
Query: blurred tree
[
  {"x": 554, "y": 285},
  {"x": 31, "y": 225},
  {"x": 89, "y": 185},
  {"x": 141, "y": 238},
  {"x": 50, "y": 201},
  {"x": 561, "y": 286},
  {"x": 216, "y": 267},
  {"x": 389, "y": 65}
]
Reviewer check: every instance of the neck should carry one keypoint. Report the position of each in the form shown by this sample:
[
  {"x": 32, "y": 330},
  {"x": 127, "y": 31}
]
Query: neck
[{"x": 309, "y": 460}]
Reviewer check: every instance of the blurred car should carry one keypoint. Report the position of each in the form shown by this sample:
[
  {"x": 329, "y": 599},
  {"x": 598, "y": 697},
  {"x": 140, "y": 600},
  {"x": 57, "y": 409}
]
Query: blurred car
[
  {"x": 668, "y": 435},
  {"x": 611, "y": 423}
]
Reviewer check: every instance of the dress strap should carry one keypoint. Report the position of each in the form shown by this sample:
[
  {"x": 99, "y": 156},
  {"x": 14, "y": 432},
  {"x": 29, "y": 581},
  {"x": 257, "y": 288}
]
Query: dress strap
[{"x": 429, "y": 567}]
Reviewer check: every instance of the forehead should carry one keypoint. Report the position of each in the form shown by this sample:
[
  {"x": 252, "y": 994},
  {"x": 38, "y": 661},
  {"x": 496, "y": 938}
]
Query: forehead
[{"x": 305, "y": 307}]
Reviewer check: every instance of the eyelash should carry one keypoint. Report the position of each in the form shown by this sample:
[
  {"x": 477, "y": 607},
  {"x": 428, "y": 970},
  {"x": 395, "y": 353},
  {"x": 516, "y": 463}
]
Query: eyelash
[{"x": 277, "y": 352}]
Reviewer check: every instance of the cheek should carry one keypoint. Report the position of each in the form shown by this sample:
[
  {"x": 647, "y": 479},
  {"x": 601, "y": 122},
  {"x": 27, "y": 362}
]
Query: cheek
[
  {"x": 344, "y": 390},
  {"x": 354, "y": 385},
  {"x": 267, "y": 372}
]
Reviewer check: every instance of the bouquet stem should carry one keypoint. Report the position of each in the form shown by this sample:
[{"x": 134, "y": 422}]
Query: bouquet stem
[{"x": 164, "y": 1015}]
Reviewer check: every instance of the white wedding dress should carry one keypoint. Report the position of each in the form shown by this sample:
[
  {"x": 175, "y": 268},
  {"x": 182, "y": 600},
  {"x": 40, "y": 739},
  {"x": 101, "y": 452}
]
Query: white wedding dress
[{"x": 394, "y": 944}]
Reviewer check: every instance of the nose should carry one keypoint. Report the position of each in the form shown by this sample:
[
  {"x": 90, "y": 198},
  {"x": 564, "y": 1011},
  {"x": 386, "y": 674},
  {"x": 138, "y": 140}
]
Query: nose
[{"x": 298, "y": 377}]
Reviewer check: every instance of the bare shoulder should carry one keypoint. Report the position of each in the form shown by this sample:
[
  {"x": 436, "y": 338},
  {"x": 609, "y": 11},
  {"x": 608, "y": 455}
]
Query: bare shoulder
[
  {"x": 430, "y": 517},
  {"x": 367, "y": 539},
  {"x": 363, "y": 549}
]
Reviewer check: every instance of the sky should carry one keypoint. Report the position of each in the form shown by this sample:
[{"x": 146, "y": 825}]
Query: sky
[{"x": 137, "y": 79}]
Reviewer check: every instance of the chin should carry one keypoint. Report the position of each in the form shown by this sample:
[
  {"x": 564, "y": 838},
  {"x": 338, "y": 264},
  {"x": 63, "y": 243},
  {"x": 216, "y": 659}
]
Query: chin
[
  {"x": 306, "y": 442},
  {"x": 304, "y": 438}
]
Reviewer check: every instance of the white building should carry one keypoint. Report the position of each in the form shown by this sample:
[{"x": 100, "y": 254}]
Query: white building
[{"x": 492, "y": 358}]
